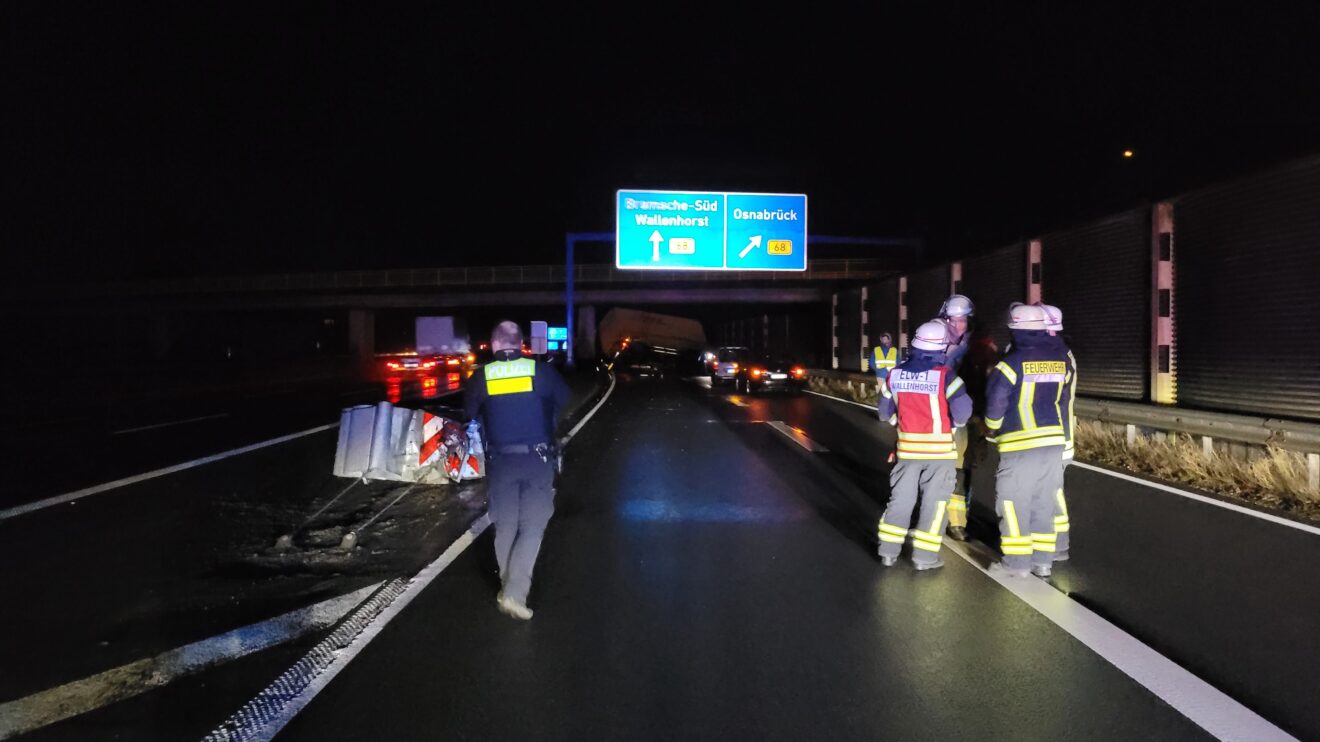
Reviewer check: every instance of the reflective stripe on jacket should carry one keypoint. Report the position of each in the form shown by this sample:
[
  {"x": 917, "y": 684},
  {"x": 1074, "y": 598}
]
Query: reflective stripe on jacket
[
  {"x": 510, "y": 377},
  {"x": 1024, "y": 395},
  {"x": 1069, "y": 407},
  {"x": 518, "y": 401},
  {"x": 926, "y": 403}
]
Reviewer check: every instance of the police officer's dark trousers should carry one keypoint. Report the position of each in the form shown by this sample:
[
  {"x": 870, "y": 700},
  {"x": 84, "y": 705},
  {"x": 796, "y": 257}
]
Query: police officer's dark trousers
[
  {"x": 930, "y": 480},
  {"x": 522, "y": 499},
  {"x": 1026, "y": 486}
]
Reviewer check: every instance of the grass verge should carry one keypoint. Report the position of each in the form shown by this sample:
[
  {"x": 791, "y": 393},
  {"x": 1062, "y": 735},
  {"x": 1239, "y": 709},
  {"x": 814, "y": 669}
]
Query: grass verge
[{"x": 1271, "y": 478}]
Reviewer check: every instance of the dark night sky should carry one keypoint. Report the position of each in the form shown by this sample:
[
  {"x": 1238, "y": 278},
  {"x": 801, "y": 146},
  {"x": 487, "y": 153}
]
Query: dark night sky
[{"x": 175, "y": 140}]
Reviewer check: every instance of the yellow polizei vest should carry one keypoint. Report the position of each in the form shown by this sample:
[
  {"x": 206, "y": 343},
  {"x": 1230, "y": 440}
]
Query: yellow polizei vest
[{"x": 510, "y": 377}]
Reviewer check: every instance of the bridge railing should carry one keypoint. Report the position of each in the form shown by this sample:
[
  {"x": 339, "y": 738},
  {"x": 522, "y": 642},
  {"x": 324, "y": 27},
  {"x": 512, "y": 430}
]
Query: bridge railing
[{"x": 840, "y": 269}]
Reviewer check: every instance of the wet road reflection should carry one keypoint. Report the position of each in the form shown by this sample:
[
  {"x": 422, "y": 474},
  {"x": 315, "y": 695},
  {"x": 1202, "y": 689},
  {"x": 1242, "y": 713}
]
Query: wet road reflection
[{"x": 406, "y": 388}]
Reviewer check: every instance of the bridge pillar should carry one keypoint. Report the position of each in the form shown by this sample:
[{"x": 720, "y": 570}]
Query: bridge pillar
[
  {"x": 584, "y": 341},
  {"x": 834, "y": 331},
  {"x": 362, "y": 337},
  {"x": 902, "y": 339}
]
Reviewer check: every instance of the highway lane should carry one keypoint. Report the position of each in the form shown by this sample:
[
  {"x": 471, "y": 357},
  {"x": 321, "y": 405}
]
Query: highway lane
[
  {"x": 115, "y": 578},
  {"x": 118, "y": 577},
  {"x": 1219, "y": 592},
  {"x": 707, "y": 578},
  {"x": 73, "y": 452}
]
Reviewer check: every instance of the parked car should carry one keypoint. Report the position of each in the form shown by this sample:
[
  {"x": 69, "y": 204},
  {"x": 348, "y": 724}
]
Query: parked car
[
  {"x": 771, "y": 373},
  {"x": 730, "y": 358},
  {"x": 407, "y": 364}
]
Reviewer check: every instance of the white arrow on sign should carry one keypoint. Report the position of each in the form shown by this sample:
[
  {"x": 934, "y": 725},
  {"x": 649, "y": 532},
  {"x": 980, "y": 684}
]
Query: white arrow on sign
[
  {"x": 754, "y": 242},
  {"x": 656, "y": 239}
]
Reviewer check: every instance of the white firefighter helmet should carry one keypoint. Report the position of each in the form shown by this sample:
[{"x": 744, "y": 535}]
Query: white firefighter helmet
[
  {"x": 932, "y": 336},
  {"x": 957, "y": 306},
  {"x": 1025, "y": 317},
  {"x": 1053, "y": 317}
]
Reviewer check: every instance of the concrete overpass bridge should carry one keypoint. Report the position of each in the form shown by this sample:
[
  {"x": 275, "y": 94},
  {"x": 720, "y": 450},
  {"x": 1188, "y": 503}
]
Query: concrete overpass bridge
[
  {"x": 483, "y": 286},
  {"x": 152, "y": 314}
]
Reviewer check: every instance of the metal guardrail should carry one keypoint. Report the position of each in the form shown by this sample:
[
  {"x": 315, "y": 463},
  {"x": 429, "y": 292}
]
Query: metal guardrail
[
  {"x": 828, "y": 269},
  {"x": 1259, "y": 431}
]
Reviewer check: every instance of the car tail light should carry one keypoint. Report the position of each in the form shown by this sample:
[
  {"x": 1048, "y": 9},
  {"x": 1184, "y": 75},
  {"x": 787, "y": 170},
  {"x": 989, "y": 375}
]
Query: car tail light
[
  {"x": 757, "y": 372},
  {"x": 799, "y": 371},
  {"x": 428, "y": 364},
  {"x": 471, "y": 358},
  {"x": 391, "y": 364},
  {"x": 452, "y": 362},
  {"x": 733, "y": 366}
]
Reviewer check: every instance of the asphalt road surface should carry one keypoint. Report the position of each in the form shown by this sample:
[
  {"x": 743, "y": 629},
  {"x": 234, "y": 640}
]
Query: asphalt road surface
[
  {"x": 710, "y": 574},
  {"x": 709, "y": 577}
]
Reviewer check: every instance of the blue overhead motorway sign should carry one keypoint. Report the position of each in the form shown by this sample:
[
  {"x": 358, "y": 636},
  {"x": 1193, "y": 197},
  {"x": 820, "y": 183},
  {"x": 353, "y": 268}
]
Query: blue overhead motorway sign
[{"x": 692, "y": 230}]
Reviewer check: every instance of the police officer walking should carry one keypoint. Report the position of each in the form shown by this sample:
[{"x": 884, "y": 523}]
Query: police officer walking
[
  {"x": 1023, "y": 413},
  {"x": 927, "y": 401},
  {"x": 519, "y": 401}
]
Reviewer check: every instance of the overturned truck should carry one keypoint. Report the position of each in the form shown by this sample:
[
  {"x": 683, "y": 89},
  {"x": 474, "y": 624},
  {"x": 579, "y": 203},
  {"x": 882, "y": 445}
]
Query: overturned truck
[{"x": 663, "y": 332}]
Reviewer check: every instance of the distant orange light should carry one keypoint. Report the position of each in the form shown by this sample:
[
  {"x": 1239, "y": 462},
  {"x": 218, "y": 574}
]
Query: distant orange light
[
  {"x": 1128, "y": 153},
  {"x": 471, "y": 358}
]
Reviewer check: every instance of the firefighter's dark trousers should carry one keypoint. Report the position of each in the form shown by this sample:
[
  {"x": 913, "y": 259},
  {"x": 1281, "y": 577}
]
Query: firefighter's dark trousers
[
  {"x": 1026, "y": 489},
  {"x": 910, "y": 480},
  {"x": 958, "y": 501}
]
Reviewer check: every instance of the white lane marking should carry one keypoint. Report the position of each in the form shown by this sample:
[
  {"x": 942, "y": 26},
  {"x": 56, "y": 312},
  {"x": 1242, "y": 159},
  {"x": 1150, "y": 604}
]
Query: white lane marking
[
  {"x": 589, "y": 415},
  {"x": 1202, "y": 498},
  {"x": 1206, "y": 706},
  {"x": 81, "y": 696},
  {"x": 840, "y": 399},
  {"x": 260, "y": 724},
  {"x": 126, "y": 431},
  {"x": 98, "y": 489},
  {"x": 798, "y": 437}
]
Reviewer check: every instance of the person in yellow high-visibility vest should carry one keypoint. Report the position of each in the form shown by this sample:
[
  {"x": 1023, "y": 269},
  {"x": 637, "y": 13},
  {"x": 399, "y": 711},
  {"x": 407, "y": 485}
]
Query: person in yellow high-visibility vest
[{"x": 884, "y": 357}]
